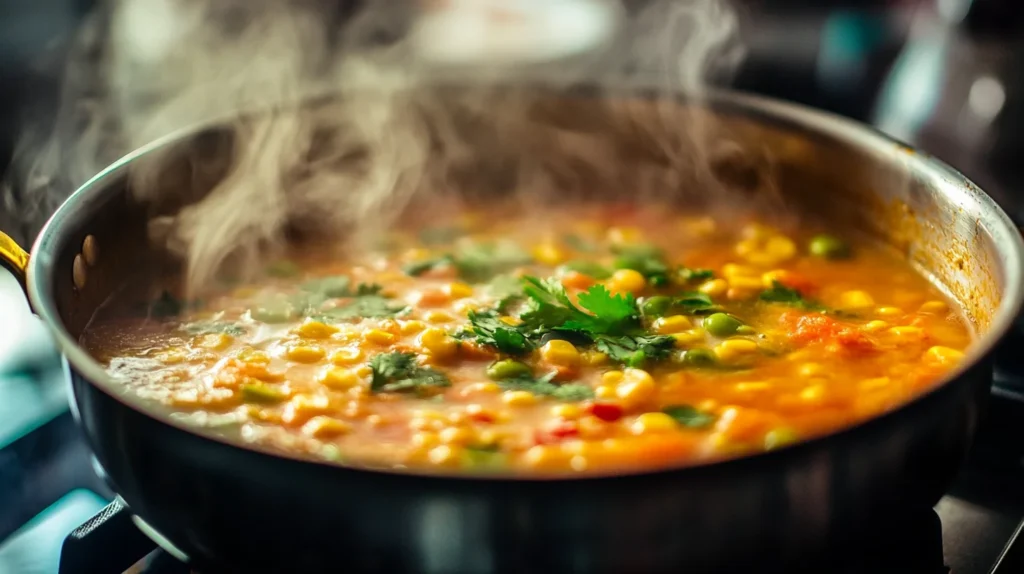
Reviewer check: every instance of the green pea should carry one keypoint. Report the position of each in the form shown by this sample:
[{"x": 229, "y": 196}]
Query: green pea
[
  {"x": 779, "y": 438},
  {"x": 828, "y": 247},
  {"x": 656, "y": 306},
  {"x": 722, "y": 324},
  {"x": 699, "y": 358},
  {"x": 507, "y": 369}
]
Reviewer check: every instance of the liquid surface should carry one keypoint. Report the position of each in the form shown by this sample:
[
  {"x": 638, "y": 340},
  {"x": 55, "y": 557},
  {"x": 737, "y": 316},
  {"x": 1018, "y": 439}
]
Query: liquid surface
[{"x": 597, "y": 339}]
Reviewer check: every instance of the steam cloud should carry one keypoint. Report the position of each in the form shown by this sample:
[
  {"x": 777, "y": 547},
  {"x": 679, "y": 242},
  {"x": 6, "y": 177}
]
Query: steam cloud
[{"x": 392, "y": 131}]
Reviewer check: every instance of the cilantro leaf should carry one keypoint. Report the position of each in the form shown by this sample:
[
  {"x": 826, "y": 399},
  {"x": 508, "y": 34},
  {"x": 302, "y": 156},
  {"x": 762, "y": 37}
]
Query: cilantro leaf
[
  {"x": 478, "y": 262},
  {"x": 647, "y": 260},
  {"x": 328, "y": 286},
  {"x": 544, "y": 387},
  {"x": 779, "y": 293},
  {"x": 695, "y": 303},
  {"x": 688, "y": 416},
  {"x": 417, "y": 268},
  {"x": 612, "y": 314},
  {"x": 686, "y": 275},
  {"x": 399, "y": 372},
  {"x": 363, "y": 306},
  {"x": 636, "y": 351},
  {"x": 492, "y": 331}
]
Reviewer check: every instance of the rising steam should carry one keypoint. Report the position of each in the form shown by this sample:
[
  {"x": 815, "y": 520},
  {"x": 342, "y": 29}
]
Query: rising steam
[{"x": 393, "y": 131}]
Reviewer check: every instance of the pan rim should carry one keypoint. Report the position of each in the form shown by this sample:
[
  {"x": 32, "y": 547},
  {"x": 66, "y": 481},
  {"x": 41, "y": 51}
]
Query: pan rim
[{"x": 759, "y": 108}]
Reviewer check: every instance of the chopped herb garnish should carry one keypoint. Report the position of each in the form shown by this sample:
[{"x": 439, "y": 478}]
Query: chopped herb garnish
[
  {"x": 686, "y": 275},
  {"x": 328, "y": 286},
  {"x": 478, "y": 262},
  {"x": 363, "y": 306},
  {"x": 399, "y": 373},
  {"x": 688, "y": 416},
  {"x": 418, "y": 268},
  {"x": 551, "y": 309},
  {"x": 636, "y": 351},
  {"x": 544, "y": 387},
  {"x": 695, "y": 303},
  {"x": 647, "y": 260},
  {"x": 779, "y": 293},
  {"x": 491, "y": 331}
]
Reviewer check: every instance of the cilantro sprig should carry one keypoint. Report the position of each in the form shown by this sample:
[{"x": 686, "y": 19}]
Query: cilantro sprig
[
  {"x": 779, "y": 293},
  {"x": 400, "y": 373},
  {"x": 544, "y": 387}
]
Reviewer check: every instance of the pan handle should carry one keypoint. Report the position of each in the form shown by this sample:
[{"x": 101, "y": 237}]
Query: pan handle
[{"x": 13, "y": 258}]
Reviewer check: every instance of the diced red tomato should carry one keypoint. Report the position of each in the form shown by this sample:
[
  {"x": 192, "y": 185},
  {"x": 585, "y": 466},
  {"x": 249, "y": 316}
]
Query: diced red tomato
[
  {"x": 807, "y": 329},
  {"x": 556, "y": 431},
  {"x": 796, "y": 281},
  {"x": 607, "y": 412}
]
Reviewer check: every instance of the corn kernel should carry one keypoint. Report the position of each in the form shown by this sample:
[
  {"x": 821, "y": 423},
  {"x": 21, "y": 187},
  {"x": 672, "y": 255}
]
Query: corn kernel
[
  {"x": 544, "y": 456},
  {"x": 323, "y": 426},
  {"x": 566, "y": 411},
  {"x": 875, "y": 326},
  {"x": 171, "y": 356},
  {"x": 548, "y": 254},
  {"x": 907, "y": 333},
  {"x": 605, "y": 392},
  {"x": 364, "y": 370},
  {"x": 780, "y": 247},
  {"x": 438, "y": 317},
  {"x": 518, "y": 398},
  {"x": 411, "y": 327},
  {"x": 812, "y": 370},
  {"x": 379, "y": 337},
  {"x": 672, "y": 324},
  {"x": 215, "y": 341},
  {"x": 943, "y": 355},
  {"x": 745, "y": 283},
  {"x": 458, "y": 290},
  {"x": 251, "y": 356},
  {"x": 304, "y": 353},
  {"x": 688, "y": 338},
  {"x": 425, "y": 439},
  {"x": 339, "y": 379},
  {"x": 316, "y": 330},
  {"x": 888, "y": 311},
  {"x": 732, "y": 349},
  {"x": 620, "y": 235},
  {"x": 456, "y": 435},
  {"x": 731, "y": 270},
  {"x": 812, "y": 394},
  {"x": 649, "y": 423},
  {"x": 934, "y": 307},
  {"x": 714, "y": 287},
  {"x": 637, "y": 387},
  {"x": 479, "y": 388},
  {"x": 445, "y": 455},
  {"x": 856, "y": 300},
  {"x": 611, "y": 377},
  {"x": 750, "y": 387},
  {"x": 561, "y": 353},
  {"x": 593, "y": 358},
  {"x": 626, "y": 281},
  {"x": 438, "y": 344}
]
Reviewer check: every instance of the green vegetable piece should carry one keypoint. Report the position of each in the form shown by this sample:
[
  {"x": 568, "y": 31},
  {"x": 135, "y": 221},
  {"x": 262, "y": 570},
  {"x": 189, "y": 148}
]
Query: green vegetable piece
[
  {"x": 689, "y": 417},
  {"x": 484, "y": 458},
  {"x": 779, "y": 438},
  {"x": 722, "y": 324},
  {"x": 779, "y": 293},
  {"x": 262, "y": 394},
  {"x": 696, "y": 303},
  {"x": 399, "y": 372},
  {"x": 828, "y": 247},
  {"x": 699, "y": 358},
  {"x": 418, "y": 268},
  {"x": 635, "y": 351},
  {"x": 573, "y": 392},
  {"x": 488, "y": 329},
  {"x": 283, "y": 269},
  {"x": 685, "y": 275},
  {"x": 657, "y": 306},
  {"x": 364, "y": 306},
  {"x": 590, "y": 268},
  {"x": 507, "y": 369}
]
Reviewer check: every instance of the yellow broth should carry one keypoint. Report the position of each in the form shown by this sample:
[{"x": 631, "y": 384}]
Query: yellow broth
[{"x": 680, "y": 339}]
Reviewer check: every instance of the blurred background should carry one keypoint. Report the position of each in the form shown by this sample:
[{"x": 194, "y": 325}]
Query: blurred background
[{"x": 939, "y": 74}]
